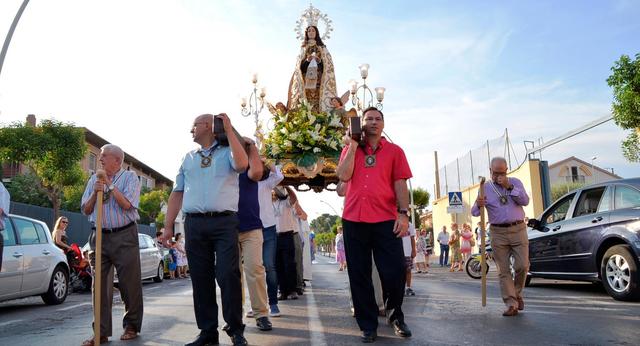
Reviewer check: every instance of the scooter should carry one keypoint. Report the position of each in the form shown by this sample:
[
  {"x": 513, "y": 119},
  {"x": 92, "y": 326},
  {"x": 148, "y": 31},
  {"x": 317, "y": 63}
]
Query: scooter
[
  {"x": 80, "y": 278},
  {"x": 473, "y": 263}
]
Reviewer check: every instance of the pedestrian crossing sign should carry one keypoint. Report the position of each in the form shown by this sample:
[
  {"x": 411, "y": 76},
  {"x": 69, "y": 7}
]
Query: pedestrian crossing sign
[{"x": 455, "y": 198}]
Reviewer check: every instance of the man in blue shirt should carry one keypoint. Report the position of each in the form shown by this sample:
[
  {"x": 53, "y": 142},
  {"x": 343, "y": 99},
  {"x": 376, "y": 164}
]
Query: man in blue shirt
[{"x": 206, "y": 190}]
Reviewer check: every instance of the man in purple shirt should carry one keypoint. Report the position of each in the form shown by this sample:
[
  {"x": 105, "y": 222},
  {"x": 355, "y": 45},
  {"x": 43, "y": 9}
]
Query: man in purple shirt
[{"x": 504, "y": 198}]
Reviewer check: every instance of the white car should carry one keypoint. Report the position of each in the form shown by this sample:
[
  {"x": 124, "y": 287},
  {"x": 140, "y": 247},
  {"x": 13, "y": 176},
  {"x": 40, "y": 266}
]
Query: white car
[
  {"x": 151, "y": 259},
  {"x": 31, "y": 263}
]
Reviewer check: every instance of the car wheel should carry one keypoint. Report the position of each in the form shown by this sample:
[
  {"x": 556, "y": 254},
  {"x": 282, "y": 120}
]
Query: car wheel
[
  {"x": 619, "y": 273},
  {"x": 58, "y": 287},
  {"x": 160, "y": 273}
]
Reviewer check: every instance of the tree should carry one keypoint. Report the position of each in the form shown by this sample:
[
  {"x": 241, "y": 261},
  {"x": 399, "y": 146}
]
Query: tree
[
  {"x": 560, "y": 190},
  {"x": 323, "y": 223},
  {"x": 24, "y": 189},
  {"x": 625, "y": 81},
  {"x": 72, "y": 195},
  {"x": 150, "y": 205},
  {"x": 52, "y": 152},
  {"x": 420, "y": 201}
]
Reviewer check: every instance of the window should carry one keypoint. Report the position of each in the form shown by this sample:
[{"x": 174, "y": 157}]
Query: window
[
  {"x": 150, "y": 242},
  {"x": 144, "y": 182},
  {"x": 559, "y": 210},
  {"x": 605, "y": 202},
  {"x": 588, "y": 202},
  {"x": 7, "y": 233},
  {"x": 41, "y": 233},
  {"x": 626, "y": 197},
  {"x": 141, "y": 243},
  {"x": 26, "y": 232},
  {"x": 92, "y": 161}
]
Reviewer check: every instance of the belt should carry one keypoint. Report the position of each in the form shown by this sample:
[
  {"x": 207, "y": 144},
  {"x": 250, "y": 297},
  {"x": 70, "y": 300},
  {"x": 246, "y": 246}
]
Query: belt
[
  {"x": 212, "y": 214},
  {"x": 115, "y": 229},
  {"x": 285, "y": 233},
  {"x": 508, "y": 224}
]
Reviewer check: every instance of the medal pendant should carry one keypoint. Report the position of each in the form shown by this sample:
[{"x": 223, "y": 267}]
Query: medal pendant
[
  {"x": 370, "y": 161},
  {"x": 503, "y": 200},
  {"x": 205, "y": 162}
]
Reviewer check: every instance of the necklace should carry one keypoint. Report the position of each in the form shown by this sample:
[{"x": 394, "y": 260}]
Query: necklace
[
  {"x": 205, "y": 160},
  {"x": 370, "y": 159},
  {"x": 503, "y": 198}
]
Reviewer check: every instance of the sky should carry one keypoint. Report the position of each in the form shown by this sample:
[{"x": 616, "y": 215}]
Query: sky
[{"x": 137, "y": 72}]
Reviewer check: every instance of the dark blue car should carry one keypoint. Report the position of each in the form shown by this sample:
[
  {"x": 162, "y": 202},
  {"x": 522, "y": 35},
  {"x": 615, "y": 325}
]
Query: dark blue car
[{"x": 591, "y": 234}]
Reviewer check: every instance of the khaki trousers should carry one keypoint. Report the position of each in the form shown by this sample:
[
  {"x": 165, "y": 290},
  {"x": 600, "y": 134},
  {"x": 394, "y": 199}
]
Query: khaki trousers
[
  {"x": 506, "y": 241},
  {"x": 250, "y": 245},
  {"x": 120, "y": 250}
]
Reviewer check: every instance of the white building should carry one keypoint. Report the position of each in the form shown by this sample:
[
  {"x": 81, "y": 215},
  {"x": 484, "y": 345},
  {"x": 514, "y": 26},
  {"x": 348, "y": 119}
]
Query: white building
[{"x": 575, "y": 170}]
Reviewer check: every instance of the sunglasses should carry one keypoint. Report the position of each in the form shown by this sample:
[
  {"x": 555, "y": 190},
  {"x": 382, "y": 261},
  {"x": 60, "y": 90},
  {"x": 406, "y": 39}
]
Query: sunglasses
[{"x": 64, "y": 221}]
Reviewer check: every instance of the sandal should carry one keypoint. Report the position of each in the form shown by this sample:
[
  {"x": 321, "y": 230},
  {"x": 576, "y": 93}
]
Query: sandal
[
  {"x": 89, "y": 342},
  {"x": 129, "y": 333}
]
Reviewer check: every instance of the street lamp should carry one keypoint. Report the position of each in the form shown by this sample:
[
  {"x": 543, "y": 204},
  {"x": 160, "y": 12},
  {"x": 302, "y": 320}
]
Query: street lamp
[
  {"x": 366, "y": 99},
  {"x": 593, "y": 172},
  {"x": 330, "y": 206},
  {"x": 254, "y": 105}
]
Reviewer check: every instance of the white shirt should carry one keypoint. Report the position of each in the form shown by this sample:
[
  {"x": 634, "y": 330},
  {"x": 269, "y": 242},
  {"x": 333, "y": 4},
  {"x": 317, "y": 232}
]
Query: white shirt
[
  {"x": 267, "y": 215},
  {"x": 406, "y": 241},
  {"x": 443, "y": 238},
  {"x": 284, "y": 216}
]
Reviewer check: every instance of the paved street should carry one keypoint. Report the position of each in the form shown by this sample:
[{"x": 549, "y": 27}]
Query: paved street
[{"x": 445, "y": 311}]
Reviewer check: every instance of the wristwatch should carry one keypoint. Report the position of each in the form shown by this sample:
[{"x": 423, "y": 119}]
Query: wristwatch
[
  {"x": 111, "y": 187},
  {"x": 403, "y": 211}
]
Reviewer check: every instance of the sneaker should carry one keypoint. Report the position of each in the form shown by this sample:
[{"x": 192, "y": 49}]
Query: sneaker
[
  {"x": 249, "y": 314},
  {"x": 293, "y": 296},
  {"x": 409, "y": 292},
  {"x": 264, "y": 324},
  {"x": 274, "y": 311}
]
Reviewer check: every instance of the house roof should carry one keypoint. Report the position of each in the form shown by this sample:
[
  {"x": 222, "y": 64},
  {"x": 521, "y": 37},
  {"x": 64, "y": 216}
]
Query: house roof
[
  {"x": 98, "y": 141},
  {"x": 573, "y": 158}
]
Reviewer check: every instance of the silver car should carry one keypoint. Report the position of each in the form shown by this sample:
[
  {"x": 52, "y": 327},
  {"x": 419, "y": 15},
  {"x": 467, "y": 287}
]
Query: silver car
[
  {"x": 31, "y": 263},
  {"x": 151, "y": 259}
]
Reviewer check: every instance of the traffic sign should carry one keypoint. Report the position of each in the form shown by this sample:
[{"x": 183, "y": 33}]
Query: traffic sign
[{"x": 455, "y": 198}]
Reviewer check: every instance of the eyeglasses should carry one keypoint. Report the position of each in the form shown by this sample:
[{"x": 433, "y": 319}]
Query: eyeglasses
[
  {"x": 65, "y": 222},
  {"x": 497, "y": 174}
]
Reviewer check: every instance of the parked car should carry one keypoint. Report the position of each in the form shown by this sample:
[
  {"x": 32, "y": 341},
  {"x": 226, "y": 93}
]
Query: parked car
[
  {"x": 31, "y": 263},
  {"x": 151, "y": 259},
  {"x": 591, "y": 234}
]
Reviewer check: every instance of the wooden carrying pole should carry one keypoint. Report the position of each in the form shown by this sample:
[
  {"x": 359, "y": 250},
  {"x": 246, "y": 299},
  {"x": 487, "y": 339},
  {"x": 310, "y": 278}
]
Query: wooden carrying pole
[
  {"x": 97, "y": 275},
  {"x": 483, "y": 260}
]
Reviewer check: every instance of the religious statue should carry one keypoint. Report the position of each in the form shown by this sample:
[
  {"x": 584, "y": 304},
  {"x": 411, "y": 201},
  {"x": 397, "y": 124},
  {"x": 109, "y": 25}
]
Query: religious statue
[{"x": 313, "y": 79}]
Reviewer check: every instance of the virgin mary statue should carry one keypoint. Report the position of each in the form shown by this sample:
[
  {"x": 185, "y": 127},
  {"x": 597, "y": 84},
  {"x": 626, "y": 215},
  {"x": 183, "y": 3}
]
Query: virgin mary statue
[{"x": 314, "y": 78}]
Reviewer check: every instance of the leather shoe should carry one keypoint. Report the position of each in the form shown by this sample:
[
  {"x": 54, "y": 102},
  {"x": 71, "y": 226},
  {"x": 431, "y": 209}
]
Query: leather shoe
[
  {"x": 368, "y": 336},
  {"x": 520, "y": 303},
  {"x": 263, "y": 324},
  {"x": 511, "y": 311},
  {"x": 238, "y": 340},
  {"x": 129, "y": 333},
  {"x": 205, "y": 339},
  {"x": 401, "y": 329},
  {"x": 89, "y": 342}
]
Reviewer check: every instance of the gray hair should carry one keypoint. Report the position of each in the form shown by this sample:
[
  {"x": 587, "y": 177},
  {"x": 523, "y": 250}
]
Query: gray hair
[
  {"x": 498, "y": 159},
  {"x": 114, "y": 150}
]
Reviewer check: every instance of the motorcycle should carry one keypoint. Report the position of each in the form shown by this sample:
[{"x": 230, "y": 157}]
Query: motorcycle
[
  {"x": 473, "y": 263},
  {"x": 80, "y": 277}
]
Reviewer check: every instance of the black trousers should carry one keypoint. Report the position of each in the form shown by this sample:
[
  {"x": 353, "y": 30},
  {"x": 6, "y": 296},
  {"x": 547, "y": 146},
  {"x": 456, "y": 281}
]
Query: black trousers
[
  {"x": 361, "y": 240},
  {"x": 212, "y": 252},
  {"x": 286, "y": 263}
]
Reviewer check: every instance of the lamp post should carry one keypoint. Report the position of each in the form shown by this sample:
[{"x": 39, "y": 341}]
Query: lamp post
[
  {"x": 366, "y": 99},
  {"x": 330, "y": 206},
  {"x": 254, "y": 105},
  {"x": 593, "y": 172},
  {"x": 7, "y": 40}
]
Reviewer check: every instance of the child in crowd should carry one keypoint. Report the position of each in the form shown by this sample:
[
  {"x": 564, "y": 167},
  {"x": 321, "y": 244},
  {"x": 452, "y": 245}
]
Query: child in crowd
[
  {"x": 341, "y": 257},
  {"x": 409, "y": 247}
]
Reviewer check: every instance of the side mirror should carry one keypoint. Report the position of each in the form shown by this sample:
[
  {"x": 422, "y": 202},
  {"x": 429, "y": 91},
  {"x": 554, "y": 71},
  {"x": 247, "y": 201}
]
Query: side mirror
[{"x": 535, "y": 224}]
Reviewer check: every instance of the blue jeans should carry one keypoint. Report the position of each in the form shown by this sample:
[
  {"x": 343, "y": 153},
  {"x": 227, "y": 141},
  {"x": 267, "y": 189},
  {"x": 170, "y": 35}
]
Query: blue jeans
[
  {"x": 269, "y": 261},
  {"x": 444, "y": 254}
]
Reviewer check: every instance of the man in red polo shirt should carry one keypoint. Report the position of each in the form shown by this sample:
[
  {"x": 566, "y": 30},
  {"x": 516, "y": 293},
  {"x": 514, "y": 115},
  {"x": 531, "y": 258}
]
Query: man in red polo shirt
[{"x": 375, "y": 219}]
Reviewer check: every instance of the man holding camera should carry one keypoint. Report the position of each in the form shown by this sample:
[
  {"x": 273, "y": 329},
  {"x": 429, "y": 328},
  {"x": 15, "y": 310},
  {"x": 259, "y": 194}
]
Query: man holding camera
[
  {"x": 375, "y": 218},
  {"x": 504, "y": 199},
  {"x": 206, "y": 190}
]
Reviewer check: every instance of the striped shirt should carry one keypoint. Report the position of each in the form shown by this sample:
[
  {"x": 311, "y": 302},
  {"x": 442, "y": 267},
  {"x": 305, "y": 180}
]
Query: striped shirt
[
  {"x": 4, "y": 204},
  {"x": 112, "y": 214}
]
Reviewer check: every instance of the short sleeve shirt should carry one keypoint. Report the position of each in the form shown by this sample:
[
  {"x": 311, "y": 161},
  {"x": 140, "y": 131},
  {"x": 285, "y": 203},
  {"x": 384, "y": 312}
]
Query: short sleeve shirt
[
  {"x": 370, "y": 195},
  {"x": 128, "y": 183}
]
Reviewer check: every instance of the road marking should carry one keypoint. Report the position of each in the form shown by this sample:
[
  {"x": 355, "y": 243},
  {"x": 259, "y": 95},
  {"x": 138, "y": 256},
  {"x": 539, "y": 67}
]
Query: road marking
[
  {"x": 9, "y": 322},
  {"x": 73, "y": 307},
  {"x": 316, "y": 330},
  {"x": 152, "y": 288}
]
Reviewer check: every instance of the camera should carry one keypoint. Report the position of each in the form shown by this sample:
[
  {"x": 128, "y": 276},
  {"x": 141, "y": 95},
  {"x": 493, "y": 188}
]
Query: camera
[
  {"x": 355, "y": 128},
  {"x": 218, "y": 130}
]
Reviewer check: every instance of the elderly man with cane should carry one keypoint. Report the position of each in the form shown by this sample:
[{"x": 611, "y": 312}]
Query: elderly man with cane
[
  {"x": 207, "y": 191},
  {"x": 121, "y": 194},
  {"x": 504, "y": 199}
]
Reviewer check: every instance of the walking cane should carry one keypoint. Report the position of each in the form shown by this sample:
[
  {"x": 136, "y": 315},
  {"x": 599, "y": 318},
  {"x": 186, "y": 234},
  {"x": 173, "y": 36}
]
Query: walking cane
[
  {"x": 97, "y": 275},
  {"x": 483, "y": 261}
]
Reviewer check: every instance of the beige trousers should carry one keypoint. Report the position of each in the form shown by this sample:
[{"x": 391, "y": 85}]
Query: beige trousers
[
  {"x": 250, "y": 244},
  {"x": 506, "y": 241}
]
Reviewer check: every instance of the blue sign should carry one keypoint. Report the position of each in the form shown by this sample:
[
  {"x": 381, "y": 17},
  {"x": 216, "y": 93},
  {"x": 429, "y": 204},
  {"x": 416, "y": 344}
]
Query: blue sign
[{"x": 455, "y": 198}]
